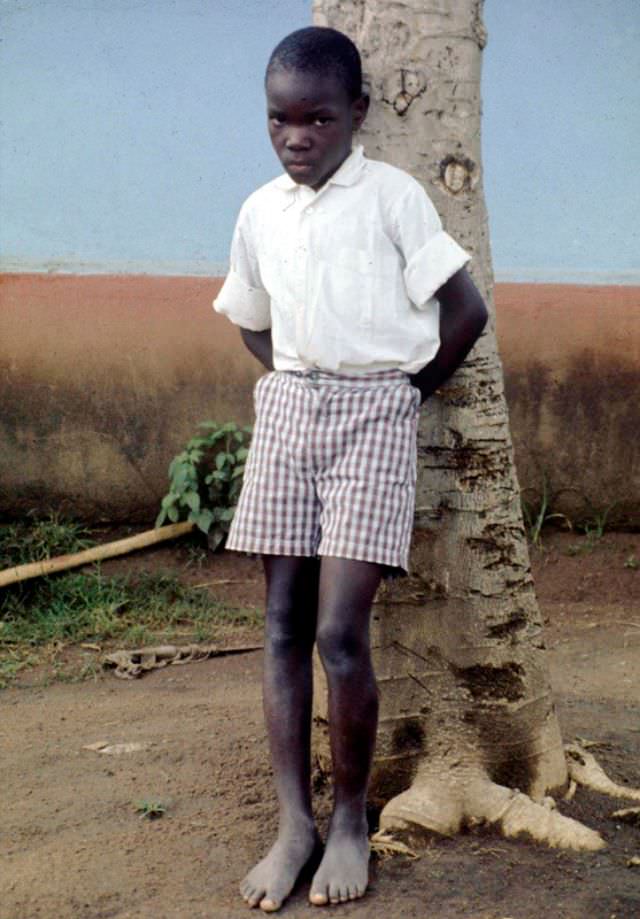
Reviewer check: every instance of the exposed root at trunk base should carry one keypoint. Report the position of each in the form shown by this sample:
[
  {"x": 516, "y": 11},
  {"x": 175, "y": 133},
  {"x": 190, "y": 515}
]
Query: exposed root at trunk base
[
  {"x": 585, "y": 770},
  {"x": 470, "y": 798},
  {"x": 445, "y": 807},
  {"x": 629, "y": 815}
]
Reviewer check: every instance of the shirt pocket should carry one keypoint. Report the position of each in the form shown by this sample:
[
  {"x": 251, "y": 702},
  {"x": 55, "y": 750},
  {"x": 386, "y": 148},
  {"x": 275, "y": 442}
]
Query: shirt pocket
[{"x": 355, "y": 282}]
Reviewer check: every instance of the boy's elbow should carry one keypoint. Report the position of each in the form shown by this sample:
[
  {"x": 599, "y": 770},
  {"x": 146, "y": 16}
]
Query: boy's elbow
[
  {"x": 481, "y": 315},
  {"x": 476, "y": 304},
  {"x": 460, "y": 297},
  {"x": 476, "y": 314}
]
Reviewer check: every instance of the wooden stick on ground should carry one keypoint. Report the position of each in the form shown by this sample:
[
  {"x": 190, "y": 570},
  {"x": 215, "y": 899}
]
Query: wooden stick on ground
[{"x": 95, "y": 554}]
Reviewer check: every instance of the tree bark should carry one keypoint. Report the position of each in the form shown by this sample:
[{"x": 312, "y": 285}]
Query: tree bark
[{"x": 467, "y": 721}]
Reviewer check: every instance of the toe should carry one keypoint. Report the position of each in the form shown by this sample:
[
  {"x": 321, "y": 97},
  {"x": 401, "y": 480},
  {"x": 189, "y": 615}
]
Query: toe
[
  {"x": 253, "y": 896},
  {"x": 318, "y": 897},
  {"x": 269, "y": 905}
]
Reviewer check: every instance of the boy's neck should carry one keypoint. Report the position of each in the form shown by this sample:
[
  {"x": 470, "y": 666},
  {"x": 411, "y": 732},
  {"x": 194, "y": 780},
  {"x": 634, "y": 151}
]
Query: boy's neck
[{"x": 325, "y": 182}]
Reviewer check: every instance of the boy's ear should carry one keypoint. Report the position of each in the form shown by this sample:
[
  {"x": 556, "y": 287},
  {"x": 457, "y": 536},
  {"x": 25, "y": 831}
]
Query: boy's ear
[{"x": 359, "y": 111}]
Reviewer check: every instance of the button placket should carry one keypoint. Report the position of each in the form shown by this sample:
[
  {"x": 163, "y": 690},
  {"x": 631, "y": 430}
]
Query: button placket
[{"x": 302, "y": 268}]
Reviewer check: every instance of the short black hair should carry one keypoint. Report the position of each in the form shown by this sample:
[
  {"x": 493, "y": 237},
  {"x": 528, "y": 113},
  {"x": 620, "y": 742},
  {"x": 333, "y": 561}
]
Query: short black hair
[{"x": 323, "y": 51}]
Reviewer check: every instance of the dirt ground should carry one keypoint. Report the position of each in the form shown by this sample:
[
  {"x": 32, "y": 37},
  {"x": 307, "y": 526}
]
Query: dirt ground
[{"x": 73, "y": 845}]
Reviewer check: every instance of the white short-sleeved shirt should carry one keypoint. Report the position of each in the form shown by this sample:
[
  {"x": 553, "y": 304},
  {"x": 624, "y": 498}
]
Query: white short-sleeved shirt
[{"x": 344, "y": 277}]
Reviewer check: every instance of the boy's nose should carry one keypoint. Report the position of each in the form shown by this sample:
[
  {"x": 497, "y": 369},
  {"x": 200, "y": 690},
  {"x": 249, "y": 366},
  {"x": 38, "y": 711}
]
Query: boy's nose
[{"x": 298, "y": 140}]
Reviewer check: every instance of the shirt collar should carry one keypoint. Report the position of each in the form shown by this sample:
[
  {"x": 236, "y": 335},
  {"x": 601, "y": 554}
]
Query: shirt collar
[{"x": 347, "y": 174}]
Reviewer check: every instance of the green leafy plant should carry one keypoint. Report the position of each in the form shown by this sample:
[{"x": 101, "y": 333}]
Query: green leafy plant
[
  {"x": 632, "y": 562},
  {"x": 205, "y": 480},
  {"x": 151, "y": 808}
]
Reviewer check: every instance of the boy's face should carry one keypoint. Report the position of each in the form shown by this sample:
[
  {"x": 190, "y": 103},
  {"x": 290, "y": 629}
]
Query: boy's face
[{"x": 311, "y": 122}]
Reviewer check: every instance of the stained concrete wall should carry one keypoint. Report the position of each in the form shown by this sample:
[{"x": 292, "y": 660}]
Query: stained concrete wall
[
  {"x": 571, "y": 356},
  {"x": 103, "y": 378},
  {"x": 101, "y": 381}
]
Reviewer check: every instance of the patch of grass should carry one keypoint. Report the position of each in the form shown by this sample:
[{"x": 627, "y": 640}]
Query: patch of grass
[
  {"x": 34, "y": 540},
  {"x": 594, "y": 525},
  {"x": 196, "y": 553},
  {"x": 76, "y": 607},
  {"x": 42, "y": 616},
  {"x": 538, "y": 513},
  {"x": 12, "y": 662},
  {"x": 64, "y": 673}
]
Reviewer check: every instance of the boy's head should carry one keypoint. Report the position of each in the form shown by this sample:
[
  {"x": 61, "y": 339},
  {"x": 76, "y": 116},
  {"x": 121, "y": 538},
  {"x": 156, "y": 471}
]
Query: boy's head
[{"x": 315, "y": 102}]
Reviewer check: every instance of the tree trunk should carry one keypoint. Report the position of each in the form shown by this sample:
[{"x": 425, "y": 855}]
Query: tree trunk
[{"x": 467, "y": 721}]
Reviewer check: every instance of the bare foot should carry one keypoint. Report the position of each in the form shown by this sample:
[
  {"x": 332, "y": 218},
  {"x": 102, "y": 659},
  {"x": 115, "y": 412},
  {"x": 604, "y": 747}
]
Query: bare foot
[
  {"x": 272, "y": 880},
  {"x": 344, "y": 870}
]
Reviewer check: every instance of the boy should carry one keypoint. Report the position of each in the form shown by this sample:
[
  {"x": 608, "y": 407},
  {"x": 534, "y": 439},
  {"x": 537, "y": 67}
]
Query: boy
[{"x": 339, "y": 269}]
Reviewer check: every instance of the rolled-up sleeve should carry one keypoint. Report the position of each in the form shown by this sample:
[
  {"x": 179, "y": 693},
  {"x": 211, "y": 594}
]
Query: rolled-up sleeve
[
  {"x": 431, "y": 255},
  {"x": 242, "y": 297}
]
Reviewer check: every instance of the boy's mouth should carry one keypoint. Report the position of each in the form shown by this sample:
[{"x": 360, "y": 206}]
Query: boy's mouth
[{"x": 299, "y": 167}]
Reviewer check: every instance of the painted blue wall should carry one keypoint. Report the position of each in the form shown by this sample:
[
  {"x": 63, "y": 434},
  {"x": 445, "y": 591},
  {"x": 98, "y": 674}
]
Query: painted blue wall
[
  {"x": 133, "y": 129},
  {"x": 561, "y": 131}
]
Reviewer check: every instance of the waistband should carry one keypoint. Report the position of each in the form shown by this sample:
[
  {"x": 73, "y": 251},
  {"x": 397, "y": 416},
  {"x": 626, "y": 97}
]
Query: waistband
[{"x": 326, "y": 378}]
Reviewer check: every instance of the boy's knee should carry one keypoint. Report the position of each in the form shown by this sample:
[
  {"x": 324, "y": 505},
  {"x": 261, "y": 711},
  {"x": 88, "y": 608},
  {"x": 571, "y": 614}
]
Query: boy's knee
[
  {"x": 286, "y": 628},
  {"x": 341, "y": 650}
]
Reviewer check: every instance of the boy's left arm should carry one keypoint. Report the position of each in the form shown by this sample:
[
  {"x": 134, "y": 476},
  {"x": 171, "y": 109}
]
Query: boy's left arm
[{"x": 463, "y": 316}]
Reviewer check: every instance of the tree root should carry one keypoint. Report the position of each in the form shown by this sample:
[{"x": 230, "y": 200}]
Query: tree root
[
  {"x": 446, "y": 807},
  {"x": 629, "y": 815},
  {"x": 516, "y": 814},
  {"x": 585, "y": 770}
]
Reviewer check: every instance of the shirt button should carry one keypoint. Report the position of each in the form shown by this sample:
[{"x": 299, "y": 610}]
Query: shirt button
[{"x": 309, "y": 210}]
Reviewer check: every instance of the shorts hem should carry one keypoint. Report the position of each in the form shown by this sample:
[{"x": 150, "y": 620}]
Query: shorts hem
[
  {"x": 262, "y": 548},
  {"x": 390, "y": 560},
  {"x": 297, "y": 551}
]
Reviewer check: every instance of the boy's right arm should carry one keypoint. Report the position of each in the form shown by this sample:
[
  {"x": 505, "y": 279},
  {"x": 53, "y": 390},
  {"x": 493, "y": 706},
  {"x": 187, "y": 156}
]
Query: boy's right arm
[
  {"x": 259, "y": 343},
  {"x": 243, "y": 298}
]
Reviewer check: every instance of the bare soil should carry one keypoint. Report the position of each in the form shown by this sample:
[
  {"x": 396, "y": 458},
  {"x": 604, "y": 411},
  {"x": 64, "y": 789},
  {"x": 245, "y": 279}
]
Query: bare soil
[{"x": 73, "y": 844}]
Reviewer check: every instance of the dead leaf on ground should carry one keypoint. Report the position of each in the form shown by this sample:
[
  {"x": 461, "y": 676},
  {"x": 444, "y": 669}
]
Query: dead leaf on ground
[
  {"x": 115, "y": 749},
  {"x": 383, "y": 843}
]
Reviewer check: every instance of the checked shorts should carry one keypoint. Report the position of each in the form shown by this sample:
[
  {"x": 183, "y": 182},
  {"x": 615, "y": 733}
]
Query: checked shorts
[{"x": 332, "y": 467}]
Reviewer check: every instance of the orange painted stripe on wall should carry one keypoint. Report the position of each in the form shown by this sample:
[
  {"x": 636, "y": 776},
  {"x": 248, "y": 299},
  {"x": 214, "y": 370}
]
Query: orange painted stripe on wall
[{"x": 60, "y": 318}]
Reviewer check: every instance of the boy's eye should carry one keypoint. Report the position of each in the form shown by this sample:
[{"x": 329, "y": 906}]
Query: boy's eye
[
  {"x": 276, "y": 119},
  {"x": 322, "y": 120}
]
